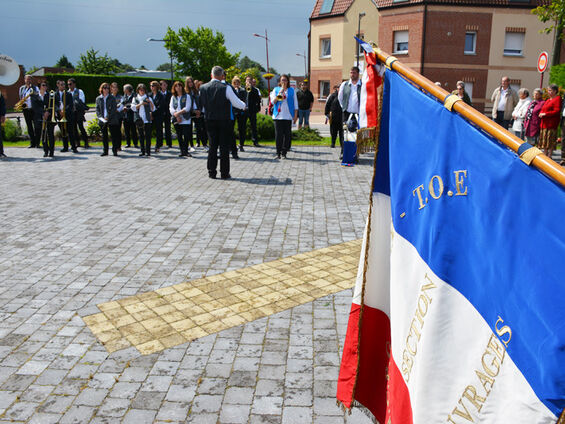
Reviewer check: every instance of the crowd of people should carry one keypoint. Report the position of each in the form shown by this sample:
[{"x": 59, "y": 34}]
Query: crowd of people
[
  {"x": 141, "y": 112},
  {"x": 534, "y": 120},
  {"x": 214, "y": 108}
]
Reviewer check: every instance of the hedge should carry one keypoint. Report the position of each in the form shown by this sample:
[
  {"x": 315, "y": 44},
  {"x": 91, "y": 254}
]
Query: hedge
[
  {"x": 91, "y": 83},
  {"x": 11, "y": 130}
]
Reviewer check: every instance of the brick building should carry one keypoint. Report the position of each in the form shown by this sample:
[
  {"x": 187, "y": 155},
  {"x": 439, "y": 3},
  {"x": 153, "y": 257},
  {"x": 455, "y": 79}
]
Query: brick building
[{"x": 476, "y": 41}]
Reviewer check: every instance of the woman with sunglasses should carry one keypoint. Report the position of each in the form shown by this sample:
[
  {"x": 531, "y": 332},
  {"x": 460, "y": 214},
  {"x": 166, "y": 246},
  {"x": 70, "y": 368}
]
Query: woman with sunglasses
[{"x": 107, "y": 113}]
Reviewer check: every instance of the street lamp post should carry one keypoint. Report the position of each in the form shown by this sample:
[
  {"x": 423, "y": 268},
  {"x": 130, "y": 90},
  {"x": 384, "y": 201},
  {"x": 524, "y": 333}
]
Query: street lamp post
[
  {"x": 305, "y": 67},
  {"x": 170, "y": 56},
  {"x": 267, "y": 48},
  {"x": 359, "y": 34}
]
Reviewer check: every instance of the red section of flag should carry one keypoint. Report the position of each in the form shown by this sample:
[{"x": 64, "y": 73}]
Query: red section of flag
[
  {"x": 372, "y": 85},
  {"x": 399, "y": 407},
  {"x": 364, "y": 366}
]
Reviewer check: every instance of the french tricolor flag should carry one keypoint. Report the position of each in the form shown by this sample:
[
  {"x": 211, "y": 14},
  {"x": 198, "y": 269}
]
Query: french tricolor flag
[{"x": 458, "y": 314}]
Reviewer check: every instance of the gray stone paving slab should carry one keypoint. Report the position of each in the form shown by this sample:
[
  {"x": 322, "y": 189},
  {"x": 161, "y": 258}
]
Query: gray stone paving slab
[{"x": 81, "y": 230}]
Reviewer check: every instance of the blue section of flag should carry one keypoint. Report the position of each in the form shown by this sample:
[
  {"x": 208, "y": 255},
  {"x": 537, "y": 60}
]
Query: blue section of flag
[{"x": 484, "y": 222}]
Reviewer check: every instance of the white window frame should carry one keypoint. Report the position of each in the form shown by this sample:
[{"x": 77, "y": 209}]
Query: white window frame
[
  {"x": 320, "y": 86},
  {"x": 474, "y": 50},
  {"x": 398, "y": 38},
  {"x": 511, "y": 41},
  {"x": 322, "y": 41}
]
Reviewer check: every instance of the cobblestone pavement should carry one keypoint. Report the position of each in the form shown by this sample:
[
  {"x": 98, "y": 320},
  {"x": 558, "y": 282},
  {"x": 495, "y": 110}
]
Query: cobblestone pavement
[{"x": 81, "y": 230}]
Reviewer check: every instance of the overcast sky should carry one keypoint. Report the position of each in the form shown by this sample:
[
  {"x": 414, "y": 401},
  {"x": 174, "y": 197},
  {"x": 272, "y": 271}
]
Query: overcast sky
[{"x": 38, "y": 32}]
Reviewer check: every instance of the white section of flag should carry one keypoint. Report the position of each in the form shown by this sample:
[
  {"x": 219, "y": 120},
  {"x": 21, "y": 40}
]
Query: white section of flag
[
  {"x": 377, "y": 289},
  {"x": 454, "y": 338}
]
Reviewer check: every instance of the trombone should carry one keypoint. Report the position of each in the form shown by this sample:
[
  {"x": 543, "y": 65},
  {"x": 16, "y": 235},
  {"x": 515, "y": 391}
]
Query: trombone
[
  {"x": 63, "y": 120},
  {"x": 50, "y": 106}
]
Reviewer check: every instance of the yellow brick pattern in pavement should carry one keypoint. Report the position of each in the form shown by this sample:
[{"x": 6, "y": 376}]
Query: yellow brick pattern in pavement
[{"x": 177, "y": 314}]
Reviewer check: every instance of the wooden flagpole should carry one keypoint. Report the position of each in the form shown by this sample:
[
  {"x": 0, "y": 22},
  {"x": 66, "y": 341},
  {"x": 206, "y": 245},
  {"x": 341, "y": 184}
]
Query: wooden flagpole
[{"x": 540, "y": 161}]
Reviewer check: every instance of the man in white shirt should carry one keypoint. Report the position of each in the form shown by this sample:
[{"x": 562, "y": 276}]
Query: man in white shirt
[
  {"x": 504, "y": 100},
  {"x": 27, "y": 90},
  {"x": 216, "y": 99},
  {"x": 349, "y": 96}
]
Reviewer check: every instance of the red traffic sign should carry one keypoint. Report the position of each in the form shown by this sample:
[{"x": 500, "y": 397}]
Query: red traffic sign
[{"x": 542, "y": 62}]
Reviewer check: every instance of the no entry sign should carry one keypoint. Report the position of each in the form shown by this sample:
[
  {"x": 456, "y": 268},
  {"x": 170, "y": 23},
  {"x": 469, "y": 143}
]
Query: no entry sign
[{"x": 542, "y": 62}]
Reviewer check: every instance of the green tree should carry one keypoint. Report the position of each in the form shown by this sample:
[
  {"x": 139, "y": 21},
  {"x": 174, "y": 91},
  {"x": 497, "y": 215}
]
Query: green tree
[
  {"x": 196, "y": 52},
  {"x": 92, "y": 63},
  {"x": 553, "y": 15},
  {"x": 164, "y": 67},
  {"x": 246, "y": 63},
  {"x": 64, "y": 62},
  {"x": 122, "y": 67}
]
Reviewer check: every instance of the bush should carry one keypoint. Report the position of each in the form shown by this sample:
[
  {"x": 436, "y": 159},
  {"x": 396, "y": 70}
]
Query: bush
[
  {"x": 11, "y": 131},
  {"x": 557, "y": 75},
  {"x": 306, "y": 134},
  {"x": 93, "y": 128},
  {"x": 265, "y": 128}
]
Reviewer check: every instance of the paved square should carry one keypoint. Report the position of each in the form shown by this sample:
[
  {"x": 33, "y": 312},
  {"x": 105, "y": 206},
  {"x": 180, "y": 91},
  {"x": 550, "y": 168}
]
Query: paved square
[{"x": 81, "y": 231}]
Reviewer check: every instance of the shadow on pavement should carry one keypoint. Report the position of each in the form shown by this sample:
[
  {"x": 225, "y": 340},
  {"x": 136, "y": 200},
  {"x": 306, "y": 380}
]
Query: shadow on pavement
[{"x": 264, "y": 181}]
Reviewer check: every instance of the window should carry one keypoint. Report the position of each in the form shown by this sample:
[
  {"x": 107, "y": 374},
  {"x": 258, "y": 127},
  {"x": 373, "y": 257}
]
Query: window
[
  {"x": 514, "y": 44},
  {"x": 470, "y": 42},
  {"x": 400, "y": 42},
  {"x": 516, "y": 86},
  {"x": 327, "y": 7},
  {"x": 324, "y": 89},
  {"x": 326, "y": 47}
]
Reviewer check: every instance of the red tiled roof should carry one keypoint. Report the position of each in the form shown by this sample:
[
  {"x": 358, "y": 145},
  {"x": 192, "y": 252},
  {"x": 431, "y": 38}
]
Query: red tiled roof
[{"x": 339, "y": 8}]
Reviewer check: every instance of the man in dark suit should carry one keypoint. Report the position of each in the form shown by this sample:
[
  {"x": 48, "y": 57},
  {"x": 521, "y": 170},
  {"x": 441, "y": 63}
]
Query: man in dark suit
[
  {"x": 158, "y": 113},
  {"x": 80, "y": 108},
  {"x": 108, "y": 117},
  {"x": 2, "y": 120},
  {"x": 25, "y": 92},
  {"x": 335, "y": 115},
  {"x": 216, "y": 98},
  {"x": 167, "y": 118},
  {"x": 253, "y": 107},
  {"x": 65, "y": 111}
]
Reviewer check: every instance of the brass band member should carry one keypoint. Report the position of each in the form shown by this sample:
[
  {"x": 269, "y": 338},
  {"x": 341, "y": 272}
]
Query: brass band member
[
  {"x": 142, "y": 107},
  {"x": 285, "y": 111},
  {"x": 25, "y": 93},
  {"x": 40, "y": 104},
  {"x": 2, "y": 121},
  {"x": 107, "y": 113},
  {"x": 167, "y": 119},
  {"x": 79, "y": 101},
  {"x": 65, "y": 116},
  {"x": 129, "y": 126},
  {"x": 158, "y": 113},
  {"x": 115, "y": 91},
  {"x": 192, "y": 87}
]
